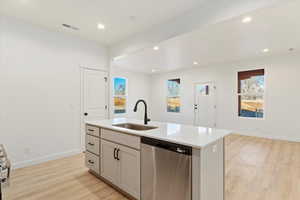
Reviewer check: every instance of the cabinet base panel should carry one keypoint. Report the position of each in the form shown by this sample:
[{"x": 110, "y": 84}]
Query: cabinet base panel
[{"x": 113, "y": 186}]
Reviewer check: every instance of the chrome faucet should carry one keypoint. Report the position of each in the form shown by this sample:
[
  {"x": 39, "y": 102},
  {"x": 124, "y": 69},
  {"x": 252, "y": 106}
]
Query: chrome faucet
[{"x": 146, "y": 120}]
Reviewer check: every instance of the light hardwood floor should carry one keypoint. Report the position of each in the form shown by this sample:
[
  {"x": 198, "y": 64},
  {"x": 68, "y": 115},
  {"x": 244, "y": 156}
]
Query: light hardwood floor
[
  {"x": 256, "y": 169},
  {"x": 262, "y": 169}
]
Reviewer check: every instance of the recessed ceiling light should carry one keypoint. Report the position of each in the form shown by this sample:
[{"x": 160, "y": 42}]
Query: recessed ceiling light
[
  {"x": 195, "y": 63},
  {"x": 266, "y": 50},
  {"x": 101, "y": 26},
  {"x": 247, "y": 20},
  {"x": 153, "y": 70},
  {"x": 156, "y": 48}
]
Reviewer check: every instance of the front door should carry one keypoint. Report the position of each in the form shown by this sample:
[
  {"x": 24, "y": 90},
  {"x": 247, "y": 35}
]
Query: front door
[{"x": 205, "y": 104}]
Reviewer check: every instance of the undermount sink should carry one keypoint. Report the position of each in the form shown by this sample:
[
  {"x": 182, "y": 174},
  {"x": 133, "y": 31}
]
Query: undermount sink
[{"x": 136, "y": 127}]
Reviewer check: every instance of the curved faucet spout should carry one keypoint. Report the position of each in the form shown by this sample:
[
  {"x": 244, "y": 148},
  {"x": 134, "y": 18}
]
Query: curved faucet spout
[{"x": 146, "y": 120}]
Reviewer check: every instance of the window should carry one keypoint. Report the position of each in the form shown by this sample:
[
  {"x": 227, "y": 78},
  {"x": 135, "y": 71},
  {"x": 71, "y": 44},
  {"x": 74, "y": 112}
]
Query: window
[
  {"x": 173, "y": 99},
  {"x": 251, "y": 88},
  {"x": 120, "y": 95}
]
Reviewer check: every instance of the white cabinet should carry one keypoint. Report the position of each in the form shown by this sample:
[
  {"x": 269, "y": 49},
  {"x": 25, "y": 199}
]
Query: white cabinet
[
  {"x": 92, "y": 162},
  {"x": 208, "y": 172},
  {"x": 121, "y": 166},
  {"x": 129, "y": 169},
  {"x": 121, "y": 138},
  {"x": 109, "y": 163},
  {"x": 92, "y": 130},
  {"x": 92, "y": 144}
]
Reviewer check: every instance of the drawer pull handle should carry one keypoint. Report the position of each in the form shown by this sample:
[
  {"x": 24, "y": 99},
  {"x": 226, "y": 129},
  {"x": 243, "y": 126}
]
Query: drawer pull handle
[
  {"x": 91, "y": 144},
  {"x": 115, "y": 157},
  {"x": 91, "y": 162},
  {"x": 91, "y": 130},
  {"x": 118, "y": 154}
]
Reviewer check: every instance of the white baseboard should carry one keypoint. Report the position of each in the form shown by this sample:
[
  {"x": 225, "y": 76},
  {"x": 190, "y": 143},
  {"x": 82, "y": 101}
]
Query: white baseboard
[
  {"x": 268, "y": 136},
  {"x": 43, "y": 159}
]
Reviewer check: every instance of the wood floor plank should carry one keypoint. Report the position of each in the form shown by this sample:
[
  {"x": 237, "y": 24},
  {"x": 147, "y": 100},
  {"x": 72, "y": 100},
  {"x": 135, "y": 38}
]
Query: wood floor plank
[{"x": 256, "y": 169}]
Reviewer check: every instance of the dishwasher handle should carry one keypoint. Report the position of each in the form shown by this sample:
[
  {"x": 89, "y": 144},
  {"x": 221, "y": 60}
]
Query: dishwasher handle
[{"x": 178, "y": 148}]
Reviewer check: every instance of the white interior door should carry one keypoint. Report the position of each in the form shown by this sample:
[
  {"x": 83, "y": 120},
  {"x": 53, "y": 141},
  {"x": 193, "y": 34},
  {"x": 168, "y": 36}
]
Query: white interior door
[
  {"x": 94, "y": 98},
  {"x": 205, "y": 104}
]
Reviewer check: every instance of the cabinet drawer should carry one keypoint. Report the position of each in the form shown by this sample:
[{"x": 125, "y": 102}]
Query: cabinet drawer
[
  {"x": 121, "y": 138},
  {"x": 92, "y": 162},
  {"x": 92, "y": 144},
  {"x": 92, "y": 130}
]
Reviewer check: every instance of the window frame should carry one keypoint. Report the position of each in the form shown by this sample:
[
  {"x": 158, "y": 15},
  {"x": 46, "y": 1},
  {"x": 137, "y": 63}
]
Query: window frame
[
  {"x": 239, "y": 94},
  {"x": 124, "y": 96}
]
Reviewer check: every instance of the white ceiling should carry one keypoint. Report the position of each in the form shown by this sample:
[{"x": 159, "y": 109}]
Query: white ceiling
[
  {"x": 276, "y": 28},
  {"x": 86, "y": 14}
]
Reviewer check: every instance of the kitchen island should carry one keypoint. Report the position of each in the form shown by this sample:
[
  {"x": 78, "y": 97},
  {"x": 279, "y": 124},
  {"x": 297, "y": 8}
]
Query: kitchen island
[{"x": 159, "y": 160}]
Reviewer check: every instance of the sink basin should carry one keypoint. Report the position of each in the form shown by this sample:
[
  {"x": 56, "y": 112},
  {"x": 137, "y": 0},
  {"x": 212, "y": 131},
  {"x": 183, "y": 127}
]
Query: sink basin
[{"x": 136, "y": 127}]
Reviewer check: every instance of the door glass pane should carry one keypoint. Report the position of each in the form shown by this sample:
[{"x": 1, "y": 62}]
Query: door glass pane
[{"x": 203, "y": 89}]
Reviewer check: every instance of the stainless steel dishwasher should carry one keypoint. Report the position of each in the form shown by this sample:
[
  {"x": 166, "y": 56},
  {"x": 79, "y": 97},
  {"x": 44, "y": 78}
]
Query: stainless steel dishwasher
[{"x": 166, "y": 170}]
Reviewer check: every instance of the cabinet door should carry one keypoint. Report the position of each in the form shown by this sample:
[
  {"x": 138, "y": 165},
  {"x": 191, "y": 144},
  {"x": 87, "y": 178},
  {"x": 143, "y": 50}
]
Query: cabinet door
[
  {"x": 129, "y": 170},
  {"x": 109, "y": 165}
]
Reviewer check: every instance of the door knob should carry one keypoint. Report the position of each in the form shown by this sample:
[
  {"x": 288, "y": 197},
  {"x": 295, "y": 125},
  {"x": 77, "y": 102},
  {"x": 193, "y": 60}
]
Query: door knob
[{"x": 86, "y": 114}]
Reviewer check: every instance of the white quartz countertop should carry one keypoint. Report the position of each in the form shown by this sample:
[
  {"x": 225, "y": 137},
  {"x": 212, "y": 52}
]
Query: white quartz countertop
[{"x": 193, "y": 136}]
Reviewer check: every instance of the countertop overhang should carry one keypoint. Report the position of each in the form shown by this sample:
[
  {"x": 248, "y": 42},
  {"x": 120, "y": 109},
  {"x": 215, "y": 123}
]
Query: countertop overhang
[{"x": 193, "y": 136}]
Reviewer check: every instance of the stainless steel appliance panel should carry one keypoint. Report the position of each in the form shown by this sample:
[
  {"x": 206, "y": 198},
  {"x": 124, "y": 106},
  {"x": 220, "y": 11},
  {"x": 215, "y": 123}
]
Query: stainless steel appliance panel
[{"x": 166, "y": 172}]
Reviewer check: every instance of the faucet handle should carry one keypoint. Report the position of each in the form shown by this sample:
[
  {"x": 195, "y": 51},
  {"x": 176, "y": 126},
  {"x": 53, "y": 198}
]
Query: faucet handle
[{"x": 148, "y": 120}]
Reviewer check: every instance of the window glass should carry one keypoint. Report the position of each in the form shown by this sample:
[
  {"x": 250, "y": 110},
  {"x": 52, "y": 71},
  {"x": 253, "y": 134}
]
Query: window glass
[
  {"x": 251, "y": 106},
  {"x": 251, "y": 88},
  {"x": 173, "y": 98},
  {"x": 120, "y": 96},
  {"x": 120, "y": 86},
  {"x": 253, "y": 85}
]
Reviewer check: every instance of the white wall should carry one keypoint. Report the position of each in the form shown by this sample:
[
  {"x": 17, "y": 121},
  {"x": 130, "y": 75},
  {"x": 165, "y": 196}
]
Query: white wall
[
  {"x": 281, "y": 99},
  {"x": 138, "y": 88},
  {"x": 1, "y": 41},
  {"x": 40, "y": 93}
]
